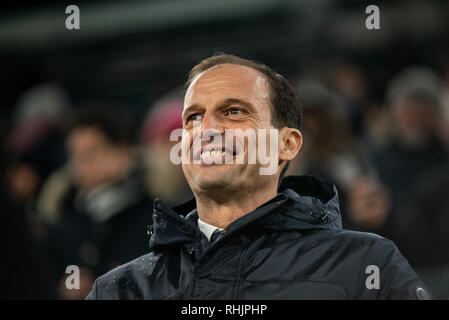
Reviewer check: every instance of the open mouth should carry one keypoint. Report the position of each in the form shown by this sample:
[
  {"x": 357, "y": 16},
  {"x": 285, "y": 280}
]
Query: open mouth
[
  {"x": 216, "y": 153},
  {"x": 211, "y": 154},
  {"x": 210, "y": 157}
]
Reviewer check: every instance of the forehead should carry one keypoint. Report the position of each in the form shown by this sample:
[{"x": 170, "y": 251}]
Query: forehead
[
  {"x": 227, "y": 80},
  {"x": 87, "y": 134}
]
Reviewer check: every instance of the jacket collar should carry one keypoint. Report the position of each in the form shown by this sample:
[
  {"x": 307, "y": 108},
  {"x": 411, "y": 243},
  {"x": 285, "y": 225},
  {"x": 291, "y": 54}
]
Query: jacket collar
[{"x": 303, "y": 203}]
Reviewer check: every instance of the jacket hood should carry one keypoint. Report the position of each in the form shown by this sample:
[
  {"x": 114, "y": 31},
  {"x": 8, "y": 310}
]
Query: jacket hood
[{"x": 303, "y": 203}]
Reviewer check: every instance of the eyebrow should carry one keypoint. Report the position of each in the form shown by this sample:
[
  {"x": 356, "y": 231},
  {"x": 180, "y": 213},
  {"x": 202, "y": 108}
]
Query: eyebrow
[
  {"x": 237, "y": 101},
  {"x": 190, "y": 109},
  {"x": 222, "y": 103}
]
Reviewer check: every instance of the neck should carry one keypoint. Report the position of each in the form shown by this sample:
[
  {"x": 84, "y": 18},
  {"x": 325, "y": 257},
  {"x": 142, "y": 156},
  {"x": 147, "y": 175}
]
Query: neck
[{"x": 221, "y": 212}]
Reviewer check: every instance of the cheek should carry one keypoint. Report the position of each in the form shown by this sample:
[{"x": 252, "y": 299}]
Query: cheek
[
  {"x": 186, "y": 138},
  {"x": 186, "y": 149},
  {"x": 115, "y": 159},
  {"x": 189, "y": 174},
  {"x": 81, "y": 167},
  {"x": 257, "y": 122}
]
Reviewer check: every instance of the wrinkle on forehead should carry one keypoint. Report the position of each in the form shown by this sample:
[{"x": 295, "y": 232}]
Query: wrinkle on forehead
[
  {"x": 213, "y": 81},
  {"x": 224, "y": 80}
]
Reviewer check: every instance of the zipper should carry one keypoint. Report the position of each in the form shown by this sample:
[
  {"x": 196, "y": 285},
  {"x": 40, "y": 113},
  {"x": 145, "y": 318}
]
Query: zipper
[{"x": 226, "y": 233}]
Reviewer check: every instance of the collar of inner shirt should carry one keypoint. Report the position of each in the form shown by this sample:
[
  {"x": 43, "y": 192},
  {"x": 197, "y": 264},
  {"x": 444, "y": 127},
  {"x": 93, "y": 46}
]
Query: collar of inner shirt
[{"x": 207, "y": 229}]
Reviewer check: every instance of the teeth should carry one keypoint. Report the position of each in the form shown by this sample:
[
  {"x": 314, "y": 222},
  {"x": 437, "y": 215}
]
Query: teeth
[{"x": 213, "y": 153}]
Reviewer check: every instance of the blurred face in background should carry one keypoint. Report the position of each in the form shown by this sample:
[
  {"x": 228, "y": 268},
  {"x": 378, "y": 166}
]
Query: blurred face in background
[
  {"x": 414, "y": 120},
  {"x": 23, "y": 181},
  {"x": 227, "y": 97},
  {"x": 94, "y": 160},
  {"x": 165, "y": 179}
]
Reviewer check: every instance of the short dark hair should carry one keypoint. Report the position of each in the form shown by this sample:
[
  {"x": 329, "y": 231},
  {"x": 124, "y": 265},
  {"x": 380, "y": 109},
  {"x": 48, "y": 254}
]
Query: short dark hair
[
  {"x": 285, "y": 108},
  {"x": 109, "y": 119}
]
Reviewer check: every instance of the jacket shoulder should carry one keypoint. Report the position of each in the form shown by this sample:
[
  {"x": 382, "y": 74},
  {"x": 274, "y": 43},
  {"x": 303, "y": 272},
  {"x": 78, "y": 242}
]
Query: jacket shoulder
[
  {"x": 375, "y": 246},
  {"x": 362, "y": 236},
  {"x": 123, "y": 282},
  {"x": 397, "y": 278},
  {"x": 366, "y": 239}
]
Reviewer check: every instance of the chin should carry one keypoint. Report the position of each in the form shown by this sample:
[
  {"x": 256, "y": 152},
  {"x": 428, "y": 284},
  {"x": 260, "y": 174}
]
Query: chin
[{"x": 215, "y": 177}]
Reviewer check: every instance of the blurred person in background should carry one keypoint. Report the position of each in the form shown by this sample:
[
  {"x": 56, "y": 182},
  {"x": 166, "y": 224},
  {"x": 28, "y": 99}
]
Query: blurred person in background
[
  {"x": 415, "y": 167},
  {"x": 33, "y": 149},
  {"x": 101, "y": 209},
  {"x": 350, "y": 84},
  {"x": 416, "y": 146},
  {"x": 25, "y": 269},
  {"x": 35, "y": 146},
  {"x": 333, "y": 153},
  {"x": 165, "y": 180}
]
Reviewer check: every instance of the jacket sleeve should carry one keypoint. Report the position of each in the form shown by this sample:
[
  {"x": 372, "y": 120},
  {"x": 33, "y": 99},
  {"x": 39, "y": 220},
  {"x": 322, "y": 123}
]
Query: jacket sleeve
[
  {"x": 93, "y": 294},
  {"x": 396, "y": 278}
]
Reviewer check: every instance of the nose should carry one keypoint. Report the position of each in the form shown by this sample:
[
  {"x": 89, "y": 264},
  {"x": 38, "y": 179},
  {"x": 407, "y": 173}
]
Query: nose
[{"x": 211, "y": 126}]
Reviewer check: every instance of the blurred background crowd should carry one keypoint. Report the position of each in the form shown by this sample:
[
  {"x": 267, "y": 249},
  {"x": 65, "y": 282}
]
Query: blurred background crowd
[{"x": 86, "y": 117}]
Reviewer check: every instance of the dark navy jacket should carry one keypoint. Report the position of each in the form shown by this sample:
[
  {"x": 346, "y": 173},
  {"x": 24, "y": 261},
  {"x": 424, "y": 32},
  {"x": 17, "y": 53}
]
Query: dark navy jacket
[{"x": 292, "y": 247}]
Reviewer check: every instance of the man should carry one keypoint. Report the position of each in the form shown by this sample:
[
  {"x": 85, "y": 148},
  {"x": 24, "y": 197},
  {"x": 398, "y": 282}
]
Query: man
[
  {"x": 275, "y": 241},
  {"x": 101, "y": 214}
]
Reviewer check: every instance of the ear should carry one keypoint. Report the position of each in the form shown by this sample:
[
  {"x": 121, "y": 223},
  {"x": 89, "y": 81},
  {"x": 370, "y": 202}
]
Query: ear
[{"x": 290, "y": 143}]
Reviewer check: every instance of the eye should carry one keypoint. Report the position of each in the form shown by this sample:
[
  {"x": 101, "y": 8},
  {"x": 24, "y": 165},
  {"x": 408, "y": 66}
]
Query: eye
[
  {"x": 194, "y": 117},
  {"x": 235, "y": 110}
]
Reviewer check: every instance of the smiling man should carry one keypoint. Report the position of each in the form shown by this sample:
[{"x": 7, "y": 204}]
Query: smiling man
[{"x": 248, "y": 235}]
